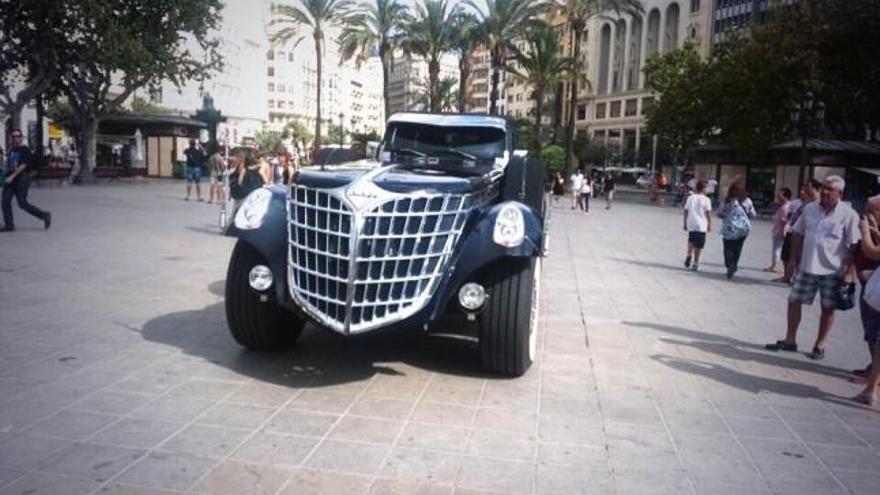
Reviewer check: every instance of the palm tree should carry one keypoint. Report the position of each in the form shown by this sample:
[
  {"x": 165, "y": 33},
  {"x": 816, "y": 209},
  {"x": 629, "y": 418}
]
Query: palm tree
[
  {"x": 314, "y": 16},
  {"x": 579, "y": 13},
  {"x": 376, "y": 26},
  {"x": 501, "y": 23},
  {"x": 540, "y": 67},
  {"x": 444, "y": 96},
  {"x": 466, "y": 37},
  {"x": 430, "y": 36}
]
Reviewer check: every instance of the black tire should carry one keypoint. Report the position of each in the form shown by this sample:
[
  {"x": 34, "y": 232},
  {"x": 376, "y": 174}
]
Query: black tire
[
  {"x": 508, "y": 325},
  {"x": 255, "y": 324}
]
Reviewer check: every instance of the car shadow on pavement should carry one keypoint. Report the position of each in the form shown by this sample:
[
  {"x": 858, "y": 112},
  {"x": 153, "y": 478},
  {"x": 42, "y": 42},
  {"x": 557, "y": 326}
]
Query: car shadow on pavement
[
  {"x": 739, "y": 350},
  {"x": 320, "y": 357},
  {"x": 701, "y": 273}
]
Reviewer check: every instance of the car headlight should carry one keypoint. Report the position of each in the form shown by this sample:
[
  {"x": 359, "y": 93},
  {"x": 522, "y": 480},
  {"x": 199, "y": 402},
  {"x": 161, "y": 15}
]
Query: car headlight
[
  {"x": 253, "y": 210},
  {"x": 510, "y": 228}
]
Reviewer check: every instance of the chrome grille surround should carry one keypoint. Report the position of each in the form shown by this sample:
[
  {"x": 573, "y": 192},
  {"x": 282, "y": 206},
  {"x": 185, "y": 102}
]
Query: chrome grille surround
[{"x": 361, "y": 257}]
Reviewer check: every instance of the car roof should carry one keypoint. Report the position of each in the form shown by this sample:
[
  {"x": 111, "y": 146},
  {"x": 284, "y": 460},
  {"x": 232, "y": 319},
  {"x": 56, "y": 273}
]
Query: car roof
[{"x": 451, "y": 119}]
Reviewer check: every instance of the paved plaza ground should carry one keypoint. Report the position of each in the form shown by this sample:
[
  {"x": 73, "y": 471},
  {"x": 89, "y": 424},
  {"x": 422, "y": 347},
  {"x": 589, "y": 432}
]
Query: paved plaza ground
[{"x": 117, "y": 373}]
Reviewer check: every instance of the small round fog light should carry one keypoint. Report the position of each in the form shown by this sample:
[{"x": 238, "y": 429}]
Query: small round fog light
[
  {"x": 260, "y": 278},
  {"x": 471, "y": 296}
]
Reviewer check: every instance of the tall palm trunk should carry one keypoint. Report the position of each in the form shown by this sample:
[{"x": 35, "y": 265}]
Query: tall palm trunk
[
  {"x": 572, "y": 110},
  {"x": 496, "y": 76},
  {"x": 386, "y": 77},
  {"x": 464, "y": 72},
  {"x": 319, "y": 38},
  {"x": 539, "y": 106},
  {"x": 433, "y": 80}
]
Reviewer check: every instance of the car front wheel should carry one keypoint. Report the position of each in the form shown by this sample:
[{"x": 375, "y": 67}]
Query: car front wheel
[
  {"x": 256, "y": 320},
  {"x": 509, "y": 324}
]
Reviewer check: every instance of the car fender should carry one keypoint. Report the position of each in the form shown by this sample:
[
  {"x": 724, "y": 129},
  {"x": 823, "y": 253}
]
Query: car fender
[
  {"x": 270, "y": 239},
  {"x": 476, "y": 250}
]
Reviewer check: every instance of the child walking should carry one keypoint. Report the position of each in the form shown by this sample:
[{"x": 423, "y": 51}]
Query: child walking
[{"x": 697, "y": 221}]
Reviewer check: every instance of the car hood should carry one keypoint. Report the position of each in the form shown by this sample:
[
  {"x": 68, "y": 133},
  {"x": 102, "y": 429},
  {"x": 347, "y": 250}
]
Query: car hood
[{"x": 394, "y": 178}]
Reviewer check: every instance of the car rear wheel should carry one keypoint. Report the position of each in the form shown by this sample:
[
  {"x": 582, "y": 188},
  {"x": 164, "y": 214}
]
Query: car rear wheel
[
  {"x": 509, "y": 324},
  {"x": 256, "y": 320}
]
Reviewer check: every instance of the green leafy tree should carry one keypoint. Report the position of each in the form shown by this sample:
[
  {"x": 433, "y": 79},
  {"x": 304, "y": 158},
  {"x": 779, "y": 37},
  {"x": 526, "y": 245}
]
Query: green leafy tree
[
  {"x": 502, "y": 23},
  {"x": 140, "y": 106},
  {"x": 525, "y": 133},
  {"x": 32, "y": 36},
  {"x": 445, "y": 95},
  {"x": 267, "y": 141},
  {"x": 292, "y": 22},
  {"x": 541, "y": 66},
  {"x": 429, "y": 35},
  {"x": 684, "y": 113},
  {"x": 336, "y": 134},
  {"x": 298, "y": 131},
  {"x": 466, "y": 38},
  {"x": 579, "y": 13},
  {"x": 360, "y": 139},
  {"x": 114, "y": 47},
  {"x": 554, "y": 157},
  {"x": 377, "y": 25}
]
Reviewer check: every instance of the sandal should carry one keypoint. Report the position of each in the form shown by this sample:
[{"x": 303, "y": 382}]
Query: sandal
[
  {"x": 817, "y": 354},
  {"x": 866, "y": 398}
]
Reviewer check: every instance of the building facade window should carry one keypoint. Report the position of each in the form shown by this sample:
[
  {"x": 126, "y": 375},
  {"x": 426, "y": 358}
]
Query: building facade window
[
  {"x": 600, "y": 110},
  {"x": 647, "y": 102},
  {"x": 614, "y": 109},
  {"x": 270, "y": 71},
  {"x": 582, "y": 112},
  {"x": 695, "y": 6},
  {"x": 270, "y": 55},
  {"x": 271, "y": 87},
  {"x": 631, "y": 107}
]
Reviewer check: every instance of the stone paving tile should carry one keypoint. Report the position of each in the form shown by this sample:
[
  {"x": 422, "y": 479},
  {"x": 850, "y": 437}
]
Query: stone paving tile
[
  {"x": 553, "y": 480},
  {"x": 495, "y": 474},
  {"x": 294, "y": 422},
  {"x": 421, "y": 465},
  {"x": 262, "y": 394},
  {"x": 136, "y": 432},
  {"x": 49, "y": 484},
  {"x": 235, "y": 477},
  {"x": 7, "y": 475},
  {"x": 313, "y": 482},
  {"x": 323, "y": 402},
  {"x": 90, "y": 461},
  {"x": 111, "y": 402},
  {"x": 444, "y": 414},
  {"x": 166, "y": 470},
  {"x": 349, "y": 457},
  {"x": 272, "y": 448},
  {"x": 378, "y": 407},
  {"x": 434, "y": 437},
  {"x": 25, "y": 452},
  {"x": 235, "y": 415},
  {"x": 205, "y": 440},
  {"x": 369, "y": 430},
  {"x": 787, "y": 479},
  {"x": 123, "y": 489},
  {"x": 172, "y": 409},
  {"x": 71, "y": 424},
  {"x": 397, "y": 487}
]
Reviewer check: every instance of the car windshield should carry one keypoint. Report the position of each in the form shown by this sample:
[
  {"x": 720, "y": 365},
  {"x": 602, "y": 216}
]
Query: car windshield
[{"x": 461, "y": 143}]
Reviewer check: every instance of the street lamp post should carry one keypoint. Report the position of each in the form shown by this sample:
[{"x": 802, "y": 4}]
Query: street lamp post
[
  {"x": 804, "y": 112},
  {"x": 341, "y": 129}
]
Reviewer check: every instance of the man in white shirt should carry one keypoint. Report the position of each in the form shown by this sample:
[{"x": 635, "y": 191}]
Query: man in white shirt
[
  {"x": 577, "y": 183},
  {"x": 697, "y": 221},
  {"x": 823, "y": 244}
]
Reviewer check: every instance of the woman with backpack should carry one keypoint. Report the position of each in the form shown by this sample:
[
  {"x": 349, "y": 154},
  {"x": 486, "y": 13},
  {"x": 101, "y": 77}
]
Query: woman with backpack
[{"x": 736, "y": 213}]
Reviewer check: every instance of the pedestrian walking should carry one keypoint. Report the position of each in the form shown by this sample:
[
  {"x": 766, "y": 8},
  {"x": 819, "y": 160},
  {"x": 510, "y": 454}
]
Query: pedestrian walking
[
  {"x": 736, "y": 213},
  {"x": 808, "y": 192},
  {"x": 697, "y": 222},
  {"x": 577, "y": 182},
  {"x": 609, "y": 190},
  {"x": 823, "y": 246},
  {"x": 867, "y": 262},
  {"x": 16, "y": 183},
  {"x": 195, "y": 160},
  {"x": 217, "y": 167},
  {"x": 558, "y": 186},
  {"x": 780, "y": 222},
  {"x": 586, "y": 192}
]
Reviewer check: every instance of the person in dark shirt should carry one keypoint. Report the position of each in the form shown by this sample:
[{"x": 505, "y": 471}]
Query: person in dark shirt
[
  {"x": 609, "y": 190},
  {"x": 195, "y": 160},
  {"x": 16, "y": 183}
]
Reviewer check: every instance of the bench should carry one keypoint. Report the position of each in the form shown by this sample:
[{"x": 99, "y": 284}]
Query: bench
[
  {"x": 111, "y": 173},
  {"x": 52, "y": 173}
]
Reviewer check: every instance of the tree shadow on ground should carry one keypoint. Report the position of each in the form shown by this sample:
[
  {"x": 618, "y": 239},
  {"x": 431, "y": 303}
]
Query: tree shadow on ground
[
  {"x": 704, "y": 274},
  {"x": 742, "y": 351},
  {"x": 320, "y": 357}
]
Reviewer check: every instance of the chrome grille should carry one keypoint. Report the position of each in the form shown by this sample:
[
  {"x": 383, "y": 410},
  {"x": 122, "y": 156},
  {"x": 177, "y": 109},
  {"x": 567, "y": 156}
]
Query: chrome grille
[{"x": 358, "y": 270}]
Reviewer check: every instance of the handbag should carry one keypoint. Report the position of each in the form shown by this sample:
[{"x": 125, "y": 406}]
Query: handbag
[{"x": 845, "y": 296}]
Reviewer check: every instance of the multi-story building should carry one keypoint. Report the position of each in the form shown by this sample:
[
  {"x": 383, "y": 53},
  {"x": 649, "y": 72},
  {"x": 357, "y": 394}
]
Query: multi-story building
[
  {"x": 479, "y": 85},
  {"x": 409, "y": 80},
  {"x": 737, "y": 15},
  {"x": 613, "y": 107}
]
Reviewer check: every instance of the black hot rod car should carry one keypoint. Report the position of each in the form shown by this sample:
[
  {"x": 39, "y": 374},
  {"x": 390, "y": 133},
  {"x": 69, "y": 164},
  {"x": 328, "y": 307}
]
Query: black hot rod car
[{"x": 448, "y": 218}]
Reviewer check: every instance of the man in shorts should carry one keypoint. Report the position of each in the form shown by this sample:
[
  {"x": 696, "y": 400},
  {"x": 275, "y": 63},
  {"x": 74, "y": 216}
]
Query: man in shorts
[
  {"x": 697, "y": 221},
  {"x": 823, "y": 245},
  {"x": 195, "y": 159},
  {"x": 217, "y": 168}
]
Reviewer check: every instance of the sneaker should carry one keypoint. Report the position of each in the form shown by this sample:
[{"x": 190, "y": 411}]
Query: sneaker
[
  {"x": 687, "y": 262},
  {"x": 817, "y": 354},
  {"x": 730, "y": 274},
  {"x": 696, "y": 267},
  {"x": 47, "y": 222},
  {"x": 780, "y": 345}
]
